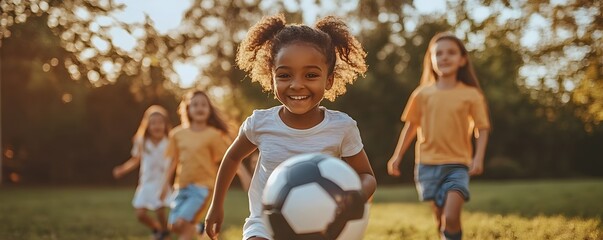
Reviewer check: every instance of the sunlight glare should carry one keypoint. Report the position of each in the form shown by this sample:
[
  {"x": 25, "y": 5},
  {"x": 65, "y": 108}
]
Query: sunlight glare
[
  {"x": 433, "y": 6},
  {"x": 122, "y": 39},
  {"x": 187, "y": 73}
]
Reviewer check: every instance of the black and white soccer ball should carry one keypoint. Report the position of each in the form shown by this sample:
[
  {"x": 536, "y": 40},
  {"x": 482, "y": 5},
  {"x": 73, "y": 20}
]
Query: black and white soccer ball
[{"x": 314, "y": 196}]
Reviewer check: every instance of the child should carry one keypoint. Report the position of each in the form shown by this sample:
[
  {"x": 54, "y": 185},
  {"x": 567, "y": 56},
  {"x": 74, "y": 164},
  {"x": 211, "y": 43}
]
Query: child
[
  {"x": 196, "y": 148},
  {"x": 444, "y": 110},
  {"x": 150, "y": 142},
  {"x": 301, "y": 65}
]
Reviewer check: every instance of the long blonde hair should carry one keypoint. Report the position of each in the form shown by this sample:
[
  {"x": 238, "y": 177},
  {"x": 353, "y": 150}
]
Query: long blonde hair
[
  {"x": 465, "y": 74},
  {"x": 143, "y": 129}
]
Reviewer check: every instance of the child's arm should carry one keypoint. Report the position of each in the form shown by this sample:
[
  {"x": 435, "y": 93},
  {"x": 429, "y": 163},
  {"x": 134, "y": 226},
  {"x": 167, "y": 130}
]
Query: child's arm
[
  {"x": 408, "y": 134},
  {"x": 169, "y": 175},
  {"x": 242, "y": 171},
  {"x": 477, "y": 167},
  {"x": 240, "y": 148},
  {"x": 126, "y": 167},
  {"x": 361, "y": 165},
  {"x": 244, "y": 177}
]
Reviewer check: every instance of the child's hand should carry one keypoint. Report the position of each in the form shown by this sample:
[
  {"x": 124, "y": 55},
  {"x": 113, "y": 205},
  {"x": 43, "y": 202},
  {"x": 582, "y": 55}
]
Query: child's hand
[
  {"x": 393, "y": 167},
  {"x": 477, "y": 168},
  {"x": 213, "y": 221},
  {"x": 117, "y": 172}
]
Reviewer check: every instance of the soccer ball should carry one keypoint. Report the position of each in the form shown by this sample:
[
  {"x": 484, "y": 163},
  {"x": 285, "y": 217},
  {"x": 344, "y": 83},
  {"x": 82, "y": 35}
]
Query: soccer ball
[{"x": 314, "y": 196}]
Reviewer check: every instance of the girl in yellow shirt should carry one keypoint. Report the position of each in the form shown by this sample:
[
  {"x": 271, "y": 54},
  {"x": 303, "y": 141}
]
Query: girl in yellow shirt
[
  {"x": 195, "y": 148},
  {"x": 442, "y": 113}
]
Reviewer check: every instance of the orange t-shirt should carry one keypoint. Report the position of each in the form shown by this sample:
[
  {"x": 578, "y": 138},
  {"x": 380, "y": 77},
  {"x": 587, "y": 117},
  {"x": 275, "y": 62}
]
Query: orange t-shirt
[
  {"x": 446, "y": 119},
  {"x": 199, "y": 154}
]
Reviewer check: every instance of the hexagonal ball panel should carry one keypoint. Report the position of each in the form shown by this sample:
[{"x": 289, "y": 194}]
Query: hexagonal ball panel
[
  {"x": 340, "y": 173},
  {"x": 309, "y": 208}
]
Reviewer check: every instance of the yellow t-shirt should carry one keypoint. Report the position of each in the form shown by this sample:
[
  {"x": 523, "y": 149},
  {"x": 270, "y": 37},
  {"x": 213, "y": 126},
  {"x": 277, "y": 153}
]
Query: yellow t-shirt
[
  {"x": 446, "y": 119},
  {"x": 199, "y": 154}
]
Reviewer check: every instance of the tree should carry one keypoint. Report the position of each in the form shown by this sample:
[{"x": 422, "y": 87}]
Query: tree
[
  {"x": 51, "y": 122},
  {"x": 72, "y": 97},
  {"x": 561, "y": 46}
]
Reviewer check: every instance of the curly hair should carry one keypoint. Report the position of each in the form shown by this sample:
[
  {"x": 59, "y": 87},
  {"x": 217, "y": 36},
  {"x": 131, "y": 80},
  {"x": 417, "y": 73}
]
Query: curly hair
[{"x": 343, "y": 53}]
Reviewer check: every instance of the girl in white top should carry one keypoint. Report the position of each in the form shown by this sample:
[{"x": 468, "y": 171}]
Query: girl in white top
[
  {"x": 148, "y": 151},
  {"x": 301, "y": 65}
]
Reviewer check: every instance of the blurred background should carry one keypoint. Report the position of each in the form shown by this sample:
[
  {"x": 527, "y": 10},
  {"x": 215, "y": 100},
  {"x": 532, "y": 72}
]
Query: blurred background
[{"x": 77, "y": 75}]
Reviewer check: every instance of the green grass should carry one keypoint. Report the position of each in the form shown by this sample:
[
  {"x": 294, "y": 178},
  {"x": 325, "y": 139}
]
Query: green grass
[{"x": 498, "y": 210}]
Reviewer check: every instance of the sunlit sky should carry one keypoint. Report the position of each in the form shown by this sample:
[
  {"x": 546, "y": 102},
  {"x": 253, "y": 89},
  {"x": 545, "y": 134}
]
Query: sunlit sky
[{"x": 167, "y": 16}]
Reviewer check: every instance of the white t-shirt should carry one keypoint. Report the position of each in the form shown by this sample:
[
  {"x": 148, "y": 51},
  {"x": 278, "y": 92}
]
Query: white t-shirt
[{"x": 337, "y": 135}]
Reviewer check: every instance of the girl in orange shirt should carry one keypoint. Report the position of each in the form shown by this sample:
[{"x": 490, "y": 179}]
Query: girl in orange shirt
[
  {"x": 195, "y": 149},
  {"x": 443, "y": 112}
]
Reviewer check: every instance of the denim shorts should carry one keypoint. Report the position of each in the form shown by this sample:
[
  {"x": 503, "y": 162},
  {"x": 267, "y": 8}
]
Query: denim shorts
[
  {"x": 433, "y": 182},
  {"x": 188, "y": 203}
]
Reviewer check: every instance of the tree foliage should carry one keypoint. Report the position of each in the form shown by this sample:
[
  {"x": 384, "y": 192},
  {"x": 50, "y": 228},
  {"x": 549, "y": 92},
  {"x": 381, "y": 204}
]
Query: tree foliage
[
  {"x": 72, "y": 97},
  {"x": 561, "y": 44}
]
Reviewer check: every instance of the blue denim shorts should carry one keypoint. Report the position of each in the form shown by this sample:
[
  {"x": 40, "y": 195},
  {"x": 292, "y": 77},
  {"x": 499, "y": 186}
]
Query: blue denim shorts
[
  {"x": 187, "y": 203},
  {"x": 433, "y": 182}
]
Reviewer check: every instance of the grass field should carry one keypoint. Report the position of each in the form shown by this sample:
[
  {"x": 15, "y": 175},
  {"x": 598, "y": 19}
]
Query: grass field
[{"x": 569, "y": 209}]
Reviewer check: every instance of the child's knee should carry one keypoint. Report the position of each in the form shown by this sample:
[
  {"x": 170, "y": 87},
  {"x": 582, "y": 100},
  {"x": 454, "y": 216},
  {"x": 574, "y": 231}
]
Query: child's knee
[
  {"x": 176, "y": 226},
  {"x": 141, "y": 215},
  {"x": 179, "y": 225}
]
